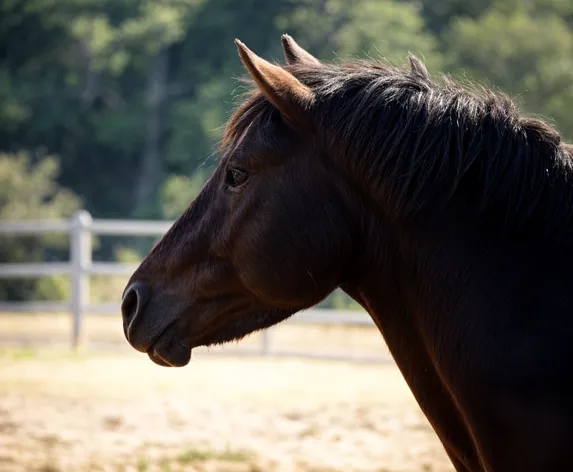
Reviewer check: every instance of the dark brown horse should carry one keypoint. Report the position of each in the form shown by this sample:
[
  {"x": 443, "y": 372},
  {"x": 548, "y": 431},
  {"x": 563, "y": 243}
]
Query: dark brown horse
[{"x": 441, "y": 209}]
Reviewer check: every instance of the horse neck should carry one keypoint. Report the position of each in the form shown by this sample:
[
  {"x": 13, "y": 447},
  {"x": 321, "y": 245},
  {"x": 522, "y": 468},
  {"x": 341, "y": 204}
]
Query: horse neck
[
  {"x": 446, "y": 279},
  {"x": 418, "y": 274}
]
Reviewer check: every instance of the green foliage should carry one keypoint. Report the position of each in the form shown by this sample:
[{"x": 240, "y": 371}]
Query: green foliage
[
  {"x": 524, "y": 55},
  {"x": 375, "y": 28},
  {"x": 178, "y": 191},
  {"x": 30, "y": 191}
]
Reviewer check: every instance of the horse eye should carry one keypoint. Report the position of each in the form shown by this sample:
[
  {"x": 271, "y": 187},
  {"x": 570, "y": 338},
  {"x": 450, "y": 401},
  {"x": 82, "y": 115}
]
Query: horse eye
[{"x": 236, "y": 177}]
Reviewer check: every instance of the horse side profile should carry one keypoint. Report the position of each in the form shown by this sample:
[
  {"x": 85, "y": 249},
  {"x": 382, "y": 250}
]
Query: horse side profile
[{"x": 439, "y": 207}]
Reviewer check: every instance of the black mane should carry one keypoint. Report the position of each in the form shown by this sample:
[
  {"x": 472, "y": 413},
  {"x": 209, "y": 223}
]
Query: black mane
[{"x": 417, "y": 142}]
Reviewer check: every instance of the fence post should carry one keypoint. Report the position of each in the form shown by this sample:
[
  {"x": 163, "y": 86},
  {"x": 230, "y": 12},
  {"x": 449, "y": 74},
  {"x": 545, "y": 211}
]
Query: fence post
[
  {"x": 266, "y": 342},
  {"x": 81, "y": 259}
]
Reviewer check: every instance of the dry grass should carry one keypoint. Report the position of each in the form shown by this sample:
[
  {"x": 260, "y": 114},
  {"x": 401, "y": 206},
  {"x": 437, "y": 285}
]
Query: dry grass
[{"x": 61, "y": 412}]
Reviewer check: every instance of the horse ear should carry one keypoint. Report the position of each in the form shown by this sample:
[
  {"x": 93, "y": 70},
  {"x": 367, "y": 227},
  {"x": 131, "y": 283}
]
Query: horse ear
[
  {"x": 290, "y": 96},
  {"x": 418, "y": 68},
  {"x": 294, "y": 54}
]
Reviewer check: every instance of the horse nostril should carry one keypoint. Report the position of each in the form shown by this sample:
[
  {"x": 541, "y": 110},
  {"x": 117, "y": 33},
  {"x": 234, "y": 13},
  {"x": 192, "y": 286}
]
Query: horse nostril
[{"x": 134, "y": 300}]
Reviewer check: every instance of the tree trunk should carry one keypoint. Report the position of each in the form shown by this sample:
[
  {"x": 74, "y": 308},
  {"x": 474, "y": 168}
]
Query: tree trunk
[{"x": 151, "y": 169}]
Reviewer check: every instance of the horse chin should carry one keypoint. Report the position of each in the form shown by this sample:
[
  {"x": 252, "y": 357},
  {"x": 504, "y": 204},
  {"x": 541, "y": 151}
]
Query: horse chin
[
  {"x": 177, "y": 358},
  {"x": 170, "y": 350}
]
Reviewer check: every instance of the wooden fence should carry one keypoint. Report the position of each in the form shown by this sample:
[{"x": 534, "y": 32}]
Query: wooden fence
[{"x": 81, "y": 227}]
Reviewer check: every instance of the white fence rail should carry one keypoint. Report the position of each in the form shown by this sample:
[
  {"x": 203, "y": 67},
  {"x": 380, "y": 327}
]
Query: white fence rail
[{"x": 81, "y": 227}]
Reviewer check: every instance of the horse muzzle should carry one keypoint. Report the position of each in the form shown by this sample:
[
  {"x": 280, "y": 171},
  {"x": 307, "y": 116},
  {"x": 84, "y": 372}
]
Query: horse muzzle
[{"x": 151, "y": 324}]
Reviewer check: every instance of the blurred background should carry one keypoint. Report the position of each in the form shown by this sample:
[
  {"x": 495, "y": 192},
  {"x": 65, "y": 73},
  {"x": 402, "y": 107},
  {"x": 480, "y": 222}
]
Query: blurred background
[{"x": 115, "y": 107}]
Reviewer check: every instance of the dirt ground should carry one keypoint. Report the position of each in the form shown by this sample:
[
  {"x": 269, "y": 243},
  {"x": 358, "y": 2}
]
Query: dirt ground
[{"x": 117, "y": 411}]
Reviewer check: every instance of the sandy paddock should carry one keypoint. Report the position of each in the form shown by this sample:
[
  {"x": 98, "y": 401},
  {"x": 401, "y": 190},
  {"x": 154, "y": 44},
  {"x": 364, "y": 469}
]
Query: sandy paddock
[{"x": 119, "y": 412}]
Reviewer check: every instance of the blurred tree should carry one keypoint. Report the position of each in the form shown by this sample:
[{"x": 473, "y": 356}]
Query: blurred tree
[
  {"x": 375, "y": 28},
  {"x": 528, "y": 55},
  {"x": 178, "y": 191},
  {"x": 439, "y": 13},
  {"x": 128, "y": 86},
  {"x": 206, "y": 62},
  {"x": 31, "y": 191},
  {"x": 125, "y": 91}
]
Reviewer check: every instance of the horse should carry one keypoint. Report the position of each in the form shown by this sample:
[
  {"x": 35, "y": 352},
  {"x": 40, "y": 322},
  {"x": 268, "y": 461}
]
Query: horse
[{"x": 440, "y": 207}]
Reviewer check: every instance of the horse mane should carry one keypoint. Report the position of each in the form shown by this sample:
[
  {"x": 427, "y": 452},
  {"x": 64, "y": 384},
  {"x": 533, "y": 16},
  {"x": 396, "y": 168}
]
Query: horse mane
[{"x": 415, "y": 142}]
